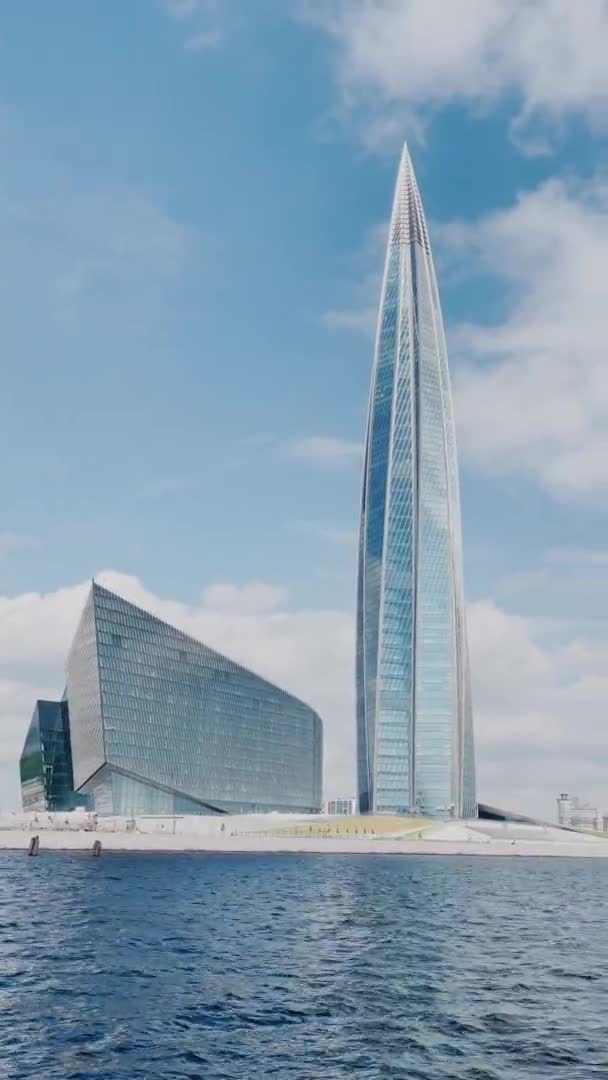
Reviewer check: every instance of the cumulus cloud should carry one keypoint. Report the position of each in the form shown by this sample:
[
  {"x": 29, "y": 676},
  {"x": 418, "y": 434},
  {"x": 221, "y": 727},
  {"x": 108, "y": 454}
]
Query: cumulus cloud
[
  {"x": 250, "y": 599},
  {"x": 572, "y": 579},
  {"x": 16, "y": 704},
  {"x": 397, "y": 60},
  {"x": 539, "y": 712},
  {"x": 531, "y": 390},
  {"x": 539, "y": 707}
]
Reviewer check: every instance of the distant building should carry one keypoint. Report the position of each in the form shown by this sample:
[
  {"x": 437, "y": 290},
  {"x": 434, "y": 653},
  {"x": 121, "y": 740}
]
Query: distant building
[
  {"x": 155, "y": 722},
  {"x": 564, "y": 809},
  {"x": 45, "y": 765},
  {"x": 341, "y": 806},
  {"x": 586, "y": 817},
  {"x": 576, "y": 815}
]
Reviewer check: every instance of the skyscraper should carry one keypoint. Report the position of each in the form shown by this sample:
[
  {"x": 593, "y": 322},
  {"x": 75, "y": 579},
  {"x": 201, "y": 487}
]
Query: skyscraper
[{"x": 415, "y": 749}]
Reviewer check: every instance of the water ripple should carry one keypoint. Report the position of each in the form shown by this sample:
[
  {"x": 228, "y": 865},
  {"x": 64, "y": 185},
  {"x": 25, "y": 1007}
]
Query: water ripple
[{"x": 302, "y": 968}]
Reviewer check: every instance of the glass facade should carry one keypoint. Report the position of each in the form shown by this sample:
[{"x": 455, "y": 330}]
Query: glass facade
[
  {"x": 414, "y": 715},
  {"x": 162, "y": 724},
  {"x": 45, "y": 765}
]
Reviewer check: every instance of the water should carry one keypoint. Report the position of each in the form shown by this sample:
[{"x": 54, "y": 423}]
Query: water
[{"x": 299, "y": 967}]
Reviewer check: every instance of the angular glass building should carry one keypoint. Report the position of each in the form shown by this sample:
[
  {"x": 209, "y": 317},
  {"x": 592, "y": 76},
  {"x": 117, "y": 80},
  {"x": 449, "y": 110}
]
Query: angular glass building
[
  {"x": 161, "y": 724},
  {"x": 45, "y": 765},
  {"x": 415, "y": 750}
]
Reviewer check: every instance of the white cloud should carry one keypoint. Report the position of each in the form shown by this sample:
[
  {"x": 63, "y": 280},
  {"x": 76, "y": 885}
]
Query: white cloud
[
  {"x": 203, "y": 22},
  {"x": 359, "y": 320},
  {"x": 329, "y": 534},
  {"x": 16, "y": 706},
  {"x": 35, "y": 630},
  {"x": 577, "y": 557},
  {"x": 365, "y": 265},
  {"x": 540, "y": 713},
  {"x": 324, "y": 449},
  {"x": 567, "y": 579},
  {"x": 532, "y": 389},
  {"x": 252, "y": 599},
  {"x": 398, "y": 59},
  {"x": 318, "y": 449},
  {"x": 540, "y": 708}
]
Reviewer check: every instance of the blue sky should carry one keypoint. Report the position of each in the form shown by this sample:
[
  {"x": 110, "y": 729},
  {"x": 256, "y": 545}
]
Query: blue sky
[{"x": 192, "y": 198}]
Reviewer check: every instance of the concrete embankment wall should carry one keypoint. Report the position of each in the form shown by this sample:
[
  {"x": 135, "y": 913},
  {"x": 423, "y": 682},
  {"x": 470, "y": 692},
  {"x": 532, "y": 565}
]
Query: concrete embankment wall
[{"x": 80, "y": 841}]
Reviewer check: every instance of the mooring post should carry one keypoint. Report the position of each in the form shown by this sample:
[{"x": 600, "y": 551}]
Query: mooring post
[
  {"x": 34, "y": 845},
  {"x": 97, "y": 847}
]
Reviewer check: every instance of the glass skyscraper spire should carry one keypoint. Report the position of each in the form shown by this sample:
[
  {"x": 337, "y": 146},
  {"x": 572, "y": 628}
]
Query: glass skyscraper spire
[{"x": 414, "y": 717}]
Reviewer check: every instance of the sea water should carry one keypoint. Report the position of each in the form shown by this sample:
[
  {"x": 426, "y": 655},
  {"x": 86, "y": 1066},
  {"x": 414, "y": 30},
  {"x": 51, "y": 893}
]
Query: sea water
[{"x": 303, "y": 967}]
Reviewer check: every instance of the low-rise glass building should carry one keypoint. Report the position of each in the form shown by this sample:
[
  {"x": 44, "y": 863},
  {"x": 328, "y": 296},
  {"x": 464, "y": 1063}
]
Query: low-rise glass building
[
  {"x": 161, "y": 724},
  {"x": 45, "y": 765}
]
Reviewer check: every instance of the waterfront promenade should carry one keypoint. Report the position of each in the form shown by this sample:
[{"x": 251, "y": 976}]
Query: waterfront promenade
[{"x": 267, "y": 833}]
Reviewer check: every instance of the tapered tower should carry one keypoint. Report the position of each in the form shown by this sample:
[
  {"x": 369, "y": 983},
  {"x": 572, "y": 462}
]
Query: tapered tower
[{"x": 415, "y": 749}]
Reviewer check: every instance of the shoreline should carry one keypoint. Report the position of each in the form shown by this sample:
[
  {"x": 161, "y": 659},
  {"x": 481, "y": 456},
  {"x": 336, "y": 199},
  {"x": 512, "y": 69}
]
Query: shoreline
[{"x": 143, "y": 844}]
